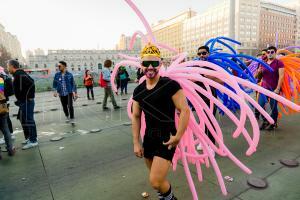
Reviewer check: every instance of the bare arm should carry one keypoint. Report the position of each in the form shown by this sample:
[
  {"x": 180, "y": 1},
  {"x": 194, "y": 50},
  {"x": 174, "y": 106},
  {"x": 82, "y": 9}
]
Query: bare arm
[
  {"x": 215, "y": 79},
  {"x": 181, "y": 105},
  {"x": 258, "y": 72},
  {"x": 280, "y": 80},
  {"x": 136, "y": 127}
]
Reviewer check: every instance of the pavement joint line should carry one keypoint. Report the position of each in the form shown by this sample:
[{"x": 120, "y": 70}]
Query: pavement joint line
[
  {"x": 70, "y": 135},
  {"x": 45, "y": 171},
  {"x": 77, "y": 106},
  {"x": 269, "y": 175}
]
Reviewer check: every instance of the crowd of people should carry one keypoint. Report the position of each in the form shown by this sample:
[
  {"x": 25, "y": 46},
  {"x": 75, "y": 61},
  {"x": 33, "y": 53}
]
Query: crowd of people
[
  {"x": 15, "y": 81},
  {"x": 158, "y": 146},
  {"x": 161, "y": 137}
]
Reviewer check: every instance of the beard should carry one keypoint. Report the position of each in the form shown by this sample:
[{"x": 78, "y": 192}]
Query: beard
[
  {"x": 271, "y": 56},
  {"x": 151, "y": 73}
]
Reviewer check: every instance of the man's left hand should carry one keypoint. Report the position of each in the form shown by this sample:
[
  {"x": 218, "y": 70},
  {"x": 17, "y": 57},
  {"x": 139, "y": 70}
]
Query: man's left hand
[
  {"x": 277, "y": 91},
  {"x": 173, "y": 142}
]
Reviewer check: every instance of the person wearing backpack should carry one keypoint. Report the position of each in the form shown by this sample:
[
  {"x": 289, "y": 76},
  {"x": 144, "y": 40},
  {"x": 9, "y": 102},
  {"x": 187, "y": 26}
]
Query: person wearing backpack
[
  {"x": 105, "y": 83},
  {"x": 24, "y": 88},
  {"x": 88, "y": 81},
  {"x": 5, "y": 91},
  {"x": 8, "y": 91},
  {"x": 124, "y": 77}
]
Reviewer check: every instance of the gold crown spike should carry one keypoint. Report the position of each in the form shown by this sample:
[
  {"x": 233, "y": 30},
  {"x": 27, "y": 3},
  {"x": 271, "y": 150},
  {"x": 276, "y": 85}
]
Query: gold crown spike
[{"x": 150, "y": 50}]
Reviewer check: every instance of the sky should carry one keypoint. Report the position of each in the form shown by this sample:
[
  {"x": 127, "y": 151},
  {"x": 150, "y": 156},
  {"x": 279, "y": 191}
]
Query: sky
[{"x": 85, "y": 24}]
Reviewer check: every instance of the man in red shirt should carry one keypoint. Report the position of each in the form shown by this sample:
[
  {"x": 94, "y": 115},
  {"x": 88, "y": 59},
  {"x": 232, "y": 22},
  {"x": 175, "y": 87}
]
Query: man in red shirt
[{"x": 271, "y": 81}]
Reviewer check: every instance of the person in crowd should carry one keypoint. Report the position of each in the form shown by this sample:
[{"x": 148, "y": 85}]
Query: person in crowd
[
  {"x": 118, "y": 80},
  {"x": 139, "y": 75},
  {"x": 258, "y": 75},
  {"x": 5, "y": 89},
  {"x": 203, "y": 54},
  {"x": 158, "y": 97},
  {"x": 271, "y": 81},
  {"x": 107, "y": 89},
  {"x": 124, "y": 78},
  {"x": 24, "y": 89},
  {"x": 88, "y": 81},
  {"x": 64, "y": 86},
  {"x": 8, "y": 92}
]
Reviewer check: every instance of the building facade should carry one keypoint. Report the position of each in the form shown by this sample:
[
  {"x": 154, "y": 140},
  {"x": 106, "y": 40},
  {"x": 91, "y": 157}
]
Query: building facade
[
  {"x": 247, "y": 14},
  {"x": 253, "y": 23},
  {"x": 124, "y": 43},
  {"x": 216, "y": 21},
  {"x": 11, "y": 44},
  {"x": 277, "y": 22},
  {"x": 170, "y": 31},
  {"x": 77, "y": 60}
]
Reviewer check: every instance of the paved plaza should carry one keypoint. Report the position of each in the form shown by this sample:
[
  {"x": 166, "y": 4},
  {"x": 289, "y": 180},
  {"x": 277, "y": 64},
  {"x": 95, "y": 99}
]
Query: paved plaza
[{"x": 95, "y": 160}]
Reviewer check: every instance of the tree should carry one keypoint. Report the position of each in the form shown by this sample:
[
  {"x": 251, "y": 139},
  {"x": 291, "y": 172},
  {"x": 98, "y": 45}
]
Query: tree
[{"x": 4, "y": 56}]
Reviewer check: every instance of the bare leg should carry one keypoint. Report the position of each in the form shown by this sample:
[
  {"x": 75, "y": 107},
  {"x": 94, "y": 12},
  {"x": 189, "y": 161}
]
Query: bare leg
[
  {"x": 148, "y": 163},
  {"x": 158, "y": 173}
]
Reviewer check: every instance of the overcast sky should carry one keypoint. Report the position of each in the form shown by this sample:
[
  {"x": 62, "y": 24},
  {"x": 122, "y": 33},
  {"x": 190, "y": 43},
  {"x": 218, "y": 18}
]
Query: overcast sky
[{"x": 85, "y": 24}]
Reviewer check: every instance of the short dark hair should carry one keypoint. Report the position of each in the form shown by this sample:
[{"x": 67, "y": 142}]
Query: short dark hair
[
  {"x": 272, "y": 48},
  {"x": 107, "y": 63},
  {"x": 264, "y": 50},
  {"x": 204, "y": 47},
  {"x": 14, "y": 63},
  {"x": 63, "y": 63}
]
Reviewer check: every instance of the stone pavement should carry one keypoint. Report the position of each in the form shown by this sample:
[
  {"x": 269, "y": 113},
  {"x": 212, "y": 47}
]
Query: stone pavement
[{"x": 101, "y": 165}]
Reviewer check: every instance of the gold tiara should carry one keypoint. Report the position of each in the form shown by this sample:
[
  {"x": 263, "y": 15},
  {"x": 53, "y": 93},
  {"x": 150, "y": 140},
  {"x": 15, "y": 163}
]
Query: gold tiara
[{"x": 150, "y": 50}]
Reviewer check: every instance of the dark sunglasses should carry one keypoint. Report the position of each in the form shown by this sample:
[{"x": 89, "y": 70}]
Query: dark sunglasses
[
  {"x": 152, "y": 63},
  {"x": 204, "y": 53},
  {"x": 270, "y": 52}
]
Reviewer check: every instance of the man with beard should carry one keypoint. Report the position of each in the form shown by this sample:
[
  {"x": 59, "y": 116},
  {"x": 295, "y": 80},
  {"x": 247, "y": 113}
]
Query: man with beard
[
  {"x": 158, "y": 97},
  {"x": 271, "y": 81}
]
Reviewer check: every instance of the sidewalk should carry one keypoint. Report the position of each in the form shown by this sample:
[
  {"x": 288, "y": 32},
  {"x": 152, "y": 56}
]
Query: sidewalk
[{"x": 101, "y": 165}]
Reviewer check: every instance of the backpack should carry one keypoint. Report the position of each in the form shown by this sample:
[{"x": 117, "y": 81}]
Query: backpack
[
  {"x": 102, "y": 82},
  {"x": 123, "y": 76},
  {"x": 8, "y": 85},
  {"x": 3, "y": 104}
]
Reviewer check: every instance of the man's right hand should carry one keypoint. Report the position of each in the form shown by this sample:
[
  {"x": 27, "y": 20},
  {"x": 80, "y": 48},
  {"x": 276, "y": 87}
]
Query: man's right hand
[
  {"x": 55, "y": 94},
  {"x": 138, "y": 150}
]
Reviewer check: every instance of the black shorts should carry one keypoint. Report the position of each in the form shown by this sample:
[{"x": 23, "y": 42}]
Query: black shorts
[{"x": 153, "y": 145}]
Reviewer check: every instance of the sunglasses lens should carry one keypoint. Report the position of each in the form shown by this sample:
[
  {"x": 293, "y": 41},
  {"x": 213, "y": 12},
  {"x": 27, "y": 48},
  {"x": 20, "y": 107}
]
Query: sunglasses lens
[
  {"x": 202, "y": 53},
  {"x": 155, "y": 64},
  {"x": 152, "y": 63}
]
